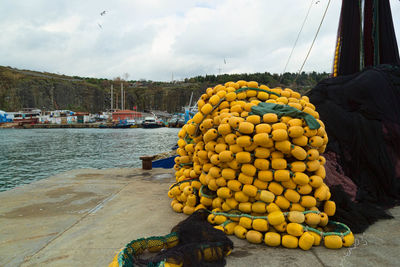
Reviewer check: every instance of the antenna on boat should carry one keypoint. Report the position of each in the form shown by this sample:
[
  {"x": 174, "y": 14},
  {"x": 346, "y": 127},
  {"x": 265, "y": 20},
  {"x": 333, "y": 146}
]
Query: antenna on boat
[{"x": 191, "y": 98}]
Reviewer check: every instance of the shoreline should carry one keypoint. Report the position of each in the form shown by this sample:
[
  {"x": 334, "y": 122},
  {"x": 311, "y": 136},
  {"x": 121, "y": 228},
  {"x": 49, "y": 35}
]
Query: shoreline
[
  {"x": 69, "y": 125},
  {"x": 87, "y": 215}
]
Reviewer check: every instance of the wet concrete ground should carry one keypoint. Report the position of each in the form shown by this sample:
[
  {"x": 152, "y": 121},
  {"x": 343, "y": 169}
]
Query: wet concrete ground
[{"x": 85, "y": 216}]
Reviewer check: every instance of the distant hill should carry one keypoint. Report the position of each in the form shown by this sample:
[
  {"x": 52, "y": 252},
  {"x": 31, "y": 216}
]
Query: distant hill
[{"x": 30, "y": 89}]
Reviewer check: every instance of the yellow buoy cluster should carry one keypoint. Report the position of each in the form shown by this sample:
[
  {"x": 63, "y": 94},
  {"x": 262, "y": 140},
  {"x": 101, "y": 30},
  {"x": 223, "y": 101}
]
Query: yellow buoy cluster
[{"x": 261, "y": 176}]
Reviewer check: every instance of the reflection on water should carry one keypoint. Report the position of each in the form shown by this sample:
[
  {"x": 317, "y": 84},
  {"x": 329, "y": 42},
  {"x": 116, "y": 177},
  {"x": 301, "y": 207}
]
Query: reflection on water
[{"x": 32, "y": 154}]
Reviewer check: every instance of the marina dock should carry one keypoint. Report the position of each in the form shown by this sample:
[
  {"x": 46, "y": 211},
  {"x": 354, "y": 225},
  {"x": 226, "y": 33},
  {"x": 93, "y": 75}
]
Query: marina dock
[{"x": 83, "y": 217}]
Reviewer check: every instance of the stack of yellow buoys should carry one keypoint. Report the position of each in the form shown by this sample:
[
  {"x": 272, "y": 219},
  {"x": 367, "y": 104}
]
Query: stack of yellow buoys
[{"x": 260, "y": 174}]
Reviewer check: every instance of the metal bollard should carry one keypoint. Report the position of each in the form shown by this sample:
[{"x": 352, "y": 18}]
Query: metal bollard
[{"x": 147, "y": 162}]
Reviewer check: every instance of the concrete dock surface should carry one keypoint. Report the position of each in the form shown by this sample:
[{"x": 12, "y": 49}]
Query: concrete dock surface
[{"x": 83, "y": 217}]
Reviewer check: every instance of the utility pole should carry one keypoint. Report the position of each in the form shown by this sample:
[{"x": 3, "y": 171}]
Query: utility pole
[
  {"x": 116, "y": 103},
  {"x": 219, "y": 71},
  {"x": 112, "y": 96},
  {"x": 52, "y": 97}
]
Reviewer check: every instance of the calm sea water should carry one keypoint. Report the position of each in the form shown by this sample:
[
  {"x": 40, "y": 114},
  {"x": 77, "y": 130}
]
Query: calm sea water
[{"x": 27, "y": 155}]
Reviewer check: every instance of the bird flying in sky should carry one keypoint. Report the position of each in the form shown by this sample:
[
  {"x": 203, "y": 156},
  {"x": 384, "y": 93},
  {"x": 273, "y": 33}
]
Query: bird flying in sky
[
  {"x": 101, "y": 27},
  {"x": 103, "y": 13}
]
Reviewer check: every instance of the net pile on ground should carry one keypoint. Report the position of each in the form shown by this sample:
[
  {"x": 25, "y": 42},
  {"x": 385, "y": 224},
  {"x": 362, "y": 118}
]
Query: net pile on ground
[
  {"x": 193, "y": 242},
  {"x": 362, "y": 117},
  {"x": 252, "y": 157}
]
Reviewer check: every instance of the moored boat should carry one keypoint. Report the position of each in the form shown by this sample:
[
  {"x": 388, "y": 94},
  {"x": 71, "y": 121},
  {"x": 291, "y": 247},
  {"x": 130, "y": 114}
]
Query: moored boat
[{"x": 150, "y": 122}]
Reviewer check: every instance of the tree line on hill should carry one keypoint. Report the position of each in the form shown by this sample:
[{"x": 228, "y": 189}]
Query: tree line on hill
[{"x": 29, "y": 89}]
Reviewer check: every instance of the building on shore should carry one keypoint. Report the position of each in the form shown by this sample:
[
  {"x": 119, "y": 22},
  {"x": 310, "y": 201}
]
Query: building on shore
[{"x": 126, "y": 115}]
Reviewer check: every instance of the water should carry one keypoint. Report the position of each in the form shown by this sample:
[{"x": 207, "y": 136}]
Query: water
[{"x": 27, "y": 155}]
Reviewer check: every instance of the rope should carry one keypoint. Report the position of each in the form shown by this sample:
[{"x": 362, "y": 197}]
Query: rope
[
  {"x": 312, "y": 44},
  {"x": 295, "y": 43},
  {"x": 306, "y": 227}
]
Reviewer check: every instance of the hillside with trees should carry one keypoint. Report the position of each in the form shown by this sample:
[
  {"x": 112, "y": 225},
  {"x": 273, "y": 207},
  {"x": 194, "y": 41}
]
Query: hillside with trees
[{"x": 30, "y": 89}]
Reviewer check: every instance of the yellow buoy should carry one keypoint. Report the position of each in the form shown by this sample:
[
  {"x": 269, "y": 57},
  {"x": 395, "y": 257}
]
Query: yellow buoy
[
  {"x": 348, "y": 240},
  {"x": 289, "y": 241},
  {"x": 300, "y": 178},
  {"x": 260, "y": 225},
  {"x": 312, "y": 219},
  {"x": 267, "y": 196},
  {"x": 234, "y": 185},
  {"x": 330, "y": 208},
  {"x": 250, "y": 190},
  {"x": 282, "y": 175},
  {"x": 295, "y": 131},
  {"x": 272, "y": 239},
  {"x": 295, "y": 229},
  {"x": 270, "y": 118},
  {"x": 296, "y": 217},
  {"x": 278, "y": 164},
  {"x": 240, "y": 231},
  {"x": 254, "y": 237},
  {"x": 282, "y": 202},
  {"x": 259, "y": 207},
  {"x": 276, "y": 217},
  {"x": 265, "y": 176},
  {"x": 279, "y": 135},
  {"x": 261, "y": 164},
  {"x": 306, "y": 241},
  {"x": 333, "y": 242},
  {"x": 308, "y": 201},
  {"x": 245, "y": 222},
  {"x": 275, "y": 188},
  {"x": 229, "y": 228},
  {"x": 246, "y": 127},
  {"x": 241, "y": 197},
  {"x": 292, "y": 195},
  {"x": 224, "y": 192},
  {"x": 243, "y": 157}
]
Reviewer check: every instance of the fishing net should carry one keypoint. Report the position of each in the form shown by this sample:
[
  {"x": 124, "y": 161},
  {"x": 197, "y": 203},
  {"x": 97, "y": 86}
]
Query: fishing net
[
  {"x": 193, "y": 242},
  {"x": 362, "y": 117}
]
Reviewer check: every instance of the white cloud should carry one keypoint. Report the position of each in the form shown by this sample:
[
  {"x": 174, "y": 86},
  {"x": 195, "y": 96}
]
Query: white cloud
[{"x": 153, "y": 39}]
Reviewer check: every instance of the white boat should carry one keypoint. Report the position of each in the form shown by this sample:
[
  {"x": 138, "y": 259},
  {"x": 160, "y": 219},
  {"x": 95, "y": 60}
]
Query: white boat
[{"x": 150, "y": 122}]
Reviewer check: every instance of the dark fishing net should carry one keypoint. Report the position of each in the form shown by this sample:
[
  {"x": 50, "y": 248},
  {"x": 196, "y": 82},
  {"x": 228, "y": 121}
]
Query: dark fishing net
[
  {"x": 361, "y": 113},
  {"x": 200, "y": 244}
]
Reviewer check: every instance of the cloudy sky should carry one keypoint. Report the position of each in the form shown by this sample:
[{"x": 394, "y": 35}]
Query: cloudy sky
[{"x": 155, "y": 39}]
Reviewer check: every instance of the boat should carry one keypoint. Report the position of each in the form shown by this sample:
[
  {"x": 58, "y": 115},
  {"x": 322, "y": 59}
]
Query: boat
[
  {"x": 151, "y": 122},
  {"x": 131, "y": 123},
  {"x": 121, "y": 124},
  {"x": 166, "y": 163},
  {"x": 177, "y": 120},
  {"x": 173, "y": 121}
]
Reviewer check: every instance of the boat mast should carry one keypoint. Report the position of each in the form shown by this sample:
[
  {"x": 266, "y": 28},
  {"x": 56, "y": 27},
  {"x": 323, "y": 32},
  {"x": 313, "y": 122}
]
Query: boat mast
[
  {"x": 112, "y": 96},
  {"x": 122, "y": 96}
]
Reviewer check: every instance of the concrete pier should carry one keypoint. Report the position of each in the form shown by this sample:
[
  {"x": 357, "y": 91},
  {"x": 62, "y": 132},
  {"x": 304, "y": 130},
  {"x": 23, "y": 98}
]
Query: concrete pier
[{"x": 83, "y": 217}]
